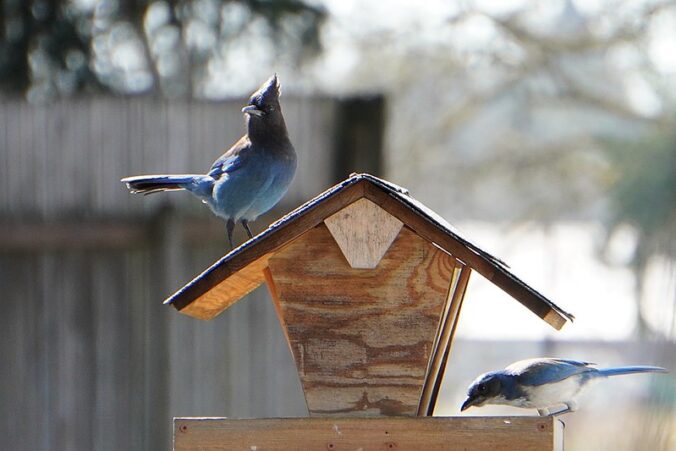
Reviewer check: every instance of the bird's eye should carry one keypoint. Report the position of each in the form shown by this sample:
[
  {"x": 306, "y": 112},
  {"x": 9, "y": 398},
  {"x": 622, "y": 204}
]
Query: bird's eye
[{"x": 482, "y": 388}]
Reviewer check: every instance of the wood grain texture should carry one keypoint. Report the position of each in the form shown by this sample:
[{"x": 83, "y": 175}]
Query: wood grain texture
[
  {"x": 361, "y": 338},
  {"x": 274, "y": 294},
  {"x": 229, "y": 290},
  {"x": 433, "y": 364},
  {"x": 370, "y": 434},
  {"x": 364, "y": 232},
  {"x": 442, "y": 350}
]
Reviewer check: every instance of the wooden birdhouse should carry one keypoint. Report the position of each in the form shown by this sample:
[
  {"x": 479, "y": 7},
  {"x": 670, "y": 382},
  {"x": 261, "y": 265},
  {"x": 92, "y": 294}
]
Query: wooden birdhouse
[{"x": 368, "y": 284}]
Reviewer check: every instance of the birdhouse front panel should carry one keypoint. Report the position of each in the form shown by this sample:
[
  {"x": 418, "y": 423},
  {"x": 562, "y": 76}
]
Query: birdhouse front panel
[{"x": 361, "y": 338}]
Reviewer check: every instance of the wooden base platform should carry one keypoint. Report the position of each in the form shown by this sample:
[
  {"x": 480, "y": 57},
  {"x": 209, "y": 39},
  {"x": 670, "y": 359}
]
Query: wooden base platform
[{"x": 366, "y": 434}]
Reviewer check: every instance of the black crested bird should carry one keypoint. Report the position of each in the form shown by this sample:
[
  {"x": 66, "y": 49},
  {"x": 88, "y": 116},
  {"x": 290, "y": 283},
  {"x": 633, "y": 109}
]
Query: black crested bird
[{"x": 251, "y": 177}]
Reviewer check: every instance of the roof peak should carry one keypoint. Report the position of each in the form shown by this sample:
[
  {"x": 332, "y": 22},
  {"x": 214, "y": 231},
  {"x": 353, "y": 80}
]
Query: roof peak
[{"x": 241, "y": 270}]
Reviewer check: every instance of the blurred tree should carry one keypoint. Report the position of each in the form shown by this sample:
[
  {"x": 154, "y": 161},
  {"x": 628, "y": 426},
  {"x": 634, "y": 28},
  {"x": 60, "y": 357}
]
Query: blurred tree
[
  {"x": 514, "y": 106},
  {"x": 61, "y": 47},
  {"x": 643, "y": 195},
  {"x": 520, "y": 101},
  {"x": 39, "y": 36}
]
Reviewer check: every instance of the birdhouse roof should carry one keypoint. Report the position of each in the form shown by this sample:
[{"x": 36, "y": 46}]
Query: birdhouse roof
[{"x": 244, "y": 268}]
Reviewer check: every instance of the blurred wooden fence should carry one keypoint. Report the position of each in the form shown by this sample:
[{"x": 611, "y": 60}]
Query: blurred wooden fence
[{"x": 91, "y": 359}]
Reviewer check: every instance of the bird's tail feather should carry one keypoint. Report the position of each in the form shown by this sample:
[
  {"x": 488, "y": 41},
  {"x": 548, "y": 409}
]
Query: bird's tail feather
[
  {"x": 148, "y": 184},
  {"x": 631, "y": 370}
]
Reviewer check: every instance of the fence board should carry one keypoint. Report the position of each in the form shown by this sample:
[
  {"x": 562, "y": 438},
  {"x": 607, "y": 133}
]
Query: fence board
[
  {"x": 68, "y": 156},
  {"x": 92, "y": 359}
]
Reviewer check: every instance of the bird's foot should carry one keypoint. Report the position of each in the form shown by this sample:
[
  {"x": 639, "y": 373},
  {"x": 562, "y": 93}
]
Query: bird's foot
[
  {"x": 571, "y": 406},
  {"x": 230, "y": 226},
  {"x": 245, "y": 224}
]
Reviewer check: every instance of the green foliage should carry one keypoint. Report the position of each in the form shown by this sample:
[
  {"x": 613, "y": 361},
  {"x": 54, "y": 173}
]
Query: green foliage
[
  {"x": 644, "y": 191},
  {"x": 49, "y": 43},
  {"x": 43, "y": 33},
  {"x": 308, "y": 23},
  {"x": 643, "y": 194}
]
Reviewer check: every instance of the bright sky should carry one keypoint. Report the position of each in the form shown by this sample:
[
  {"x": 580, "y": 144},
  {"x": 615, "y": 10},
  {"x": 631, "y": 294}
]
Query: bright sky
[
  {"x": 402, "y": 24},
  {"x": 563, "y": 263}
]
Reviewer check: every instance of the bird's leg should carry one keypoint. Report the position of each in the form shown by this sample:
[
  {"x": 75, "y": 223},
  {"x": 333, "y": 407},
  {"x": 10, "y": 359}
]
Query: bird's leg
[
  {"x": 245, "y": 224},
  {"x": 571, "y": 406},
  {"x": 560, "y": 412},
  {"x": 230, "y": 226}
]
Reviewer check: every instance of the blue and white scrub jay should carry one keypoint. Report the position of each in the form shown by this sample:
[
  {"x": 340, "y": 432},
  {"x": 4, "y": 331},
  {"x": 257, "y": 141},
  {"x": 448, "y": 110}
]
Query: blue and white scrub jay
[
  {"x": 542, "y": 384},
  {"x": 248, "y": 179}
]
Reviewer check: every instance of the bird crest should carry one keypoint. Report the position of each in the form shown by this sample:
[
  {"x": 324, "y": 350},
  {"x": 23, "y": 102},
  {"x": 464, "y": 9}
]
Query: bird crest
[{"x": 268, "y": 92}]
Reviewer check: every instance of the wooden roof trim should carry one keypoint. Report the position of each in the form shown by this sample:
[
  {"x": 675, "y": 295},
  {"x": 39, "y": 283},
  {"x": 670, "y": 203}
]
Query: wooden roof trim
[
  {"x": 397, "y": 202},
  {"x": 495, "y": 272},
  {"x": 290, "y": 227}
]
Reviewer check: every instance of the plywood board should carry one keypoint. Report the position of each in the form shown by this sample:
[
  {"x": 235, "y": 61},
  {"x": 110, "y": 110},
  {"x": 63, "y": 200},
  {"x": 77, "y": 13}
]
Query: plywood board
[
  {"x": 338, "y": 434},
  {"x": 228, "y": 291},
  {"x": 364, "y": 232},
  {"x": 361, "y": 338},
  {"x": 241, "y": 271},
  {"x": 442, "y": 350}
]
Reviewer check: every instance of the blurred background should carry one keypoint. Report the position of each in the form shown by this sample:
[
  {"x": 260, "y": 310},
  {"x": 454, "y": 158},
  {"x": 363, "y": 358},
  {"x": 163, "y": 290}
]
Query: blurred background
[{"x": 545, "y": 131}]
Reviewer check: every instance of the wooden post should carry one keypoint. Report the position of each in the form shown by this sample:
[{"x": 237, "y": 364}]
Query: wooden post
[
  {"x": 442, "y": 350},
  {"x": 358, "y": 136}
]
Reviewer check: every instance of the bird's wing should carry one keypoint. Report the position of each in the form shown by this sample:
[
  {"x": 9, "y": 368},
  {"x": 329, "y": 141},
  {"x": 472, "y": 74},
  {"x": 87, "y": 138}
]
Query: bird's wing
[
  {"x": 545, "y": 371},
  {"x": 231, "y": 160}
]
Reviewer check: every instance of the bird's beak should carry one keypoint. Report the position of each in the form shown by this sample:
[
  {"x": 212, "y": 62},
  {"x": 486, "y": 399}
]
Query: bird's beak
[
  {"x": 252, "y": 110},
  {"x": 469, "y": 402}
]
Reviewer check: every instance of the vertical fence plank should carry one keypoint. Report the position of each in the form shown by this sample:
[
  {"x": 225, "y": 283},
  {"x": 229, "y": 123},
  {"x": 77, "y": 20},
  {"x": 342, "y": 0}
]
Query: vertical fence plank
[{"x": 96, "y": 361}]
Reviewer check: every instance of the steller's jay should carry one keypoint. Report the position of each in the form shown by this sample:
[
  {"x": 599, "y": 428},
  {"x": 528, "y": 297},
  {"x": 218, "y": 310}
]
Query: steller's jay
[
  {"x": 542, "y": 384},
  {"x": 248, "y": 179}
]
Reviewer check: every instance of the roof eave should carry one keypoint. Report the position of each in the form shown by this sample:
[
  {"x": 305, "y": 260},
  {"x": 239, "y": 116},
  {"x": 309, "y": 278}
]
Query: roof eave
[
  {"x": 268, "y": 241},
  {"x": 396, "y": 202}
]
